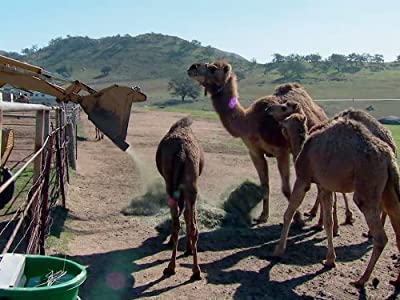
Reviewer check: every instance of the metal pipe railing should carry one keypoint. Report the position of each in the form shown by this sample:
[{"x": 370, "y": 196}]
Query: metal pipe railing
[{"x": 13, "y": 106}]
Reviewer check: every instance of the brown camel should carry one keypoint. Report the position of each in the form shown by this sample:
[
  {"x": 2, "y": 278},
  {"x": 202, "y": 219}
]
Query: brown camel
[
  {"x": 260, "y": 133},
  {"x": 99, "y": 134},
  {"x": 281, "y": 111},
  {"x": 343, "y": 156},
  {"x": 180, "y": 161}
]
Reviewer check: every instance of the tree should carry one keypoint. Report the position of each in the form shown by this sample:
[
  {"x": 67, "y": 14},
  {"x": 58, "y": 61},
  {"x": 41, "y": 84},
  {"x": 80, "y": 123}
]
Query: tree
[
  {"x": 182, "y": 86},
  {"x": 338, "y": 62},
  {"x": 398, "y": 58},
  {"x": 30, "y": 50},
  {"x": 64, "y": 71},
  {"x": 314, "y": 59},
  {"x": 106, "y": 70},
  {"x": 293, "y": 68},
  {"x": 278, "y": 58},
  {"x": 377, "y": 62}
]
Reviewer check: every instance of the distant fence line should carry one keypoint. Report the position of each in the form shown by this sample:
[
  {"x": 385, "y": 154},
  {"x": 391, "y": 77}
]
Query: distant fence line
[{"x": 356, "y": 99}]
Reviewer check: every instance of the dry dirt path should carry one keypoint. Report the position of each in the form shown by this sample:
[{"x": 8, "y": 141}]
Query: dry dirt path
[{"x": 125, "y": 255}]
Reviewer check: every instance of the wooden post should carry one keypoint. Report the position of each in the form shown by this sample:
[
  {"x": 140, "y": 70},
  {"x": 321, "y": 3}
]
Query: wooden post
[
  {"x": 71, "y": 145},
  {"x": 59, "y": 157},
  {"x": 44, "y": 210},
  {"x": 39, "y": 138}
]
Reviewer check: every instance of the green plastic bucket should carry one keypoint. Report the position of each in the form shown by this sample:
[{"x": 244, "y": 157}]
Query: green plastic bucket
[{"x": 40, "y": 265}]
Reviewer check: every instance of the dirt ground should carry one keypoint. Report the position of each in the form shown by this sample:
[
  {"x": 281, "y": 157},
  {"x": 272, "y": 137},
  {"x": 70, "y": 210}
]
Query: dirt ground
[{"x": 126, "y": 255}]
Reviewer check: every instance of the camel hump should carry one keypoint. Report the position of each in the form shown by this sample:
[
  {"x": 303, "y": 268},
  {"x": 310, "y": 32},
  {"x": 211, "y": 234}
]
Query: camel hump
[
  {"x": 286, "y": 88},
  {"x": 184, "y": 122}
]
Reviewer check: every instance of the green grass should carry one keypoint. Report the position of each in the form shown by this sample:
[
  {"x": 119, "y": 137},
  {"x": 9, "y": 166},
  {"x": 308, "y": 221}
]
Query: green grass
[{"x": 395, "y": 129}]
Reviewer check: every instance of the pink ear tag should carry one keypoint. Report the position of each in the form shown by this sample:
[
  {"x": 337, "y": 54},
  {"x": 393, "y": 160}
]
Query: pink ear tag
[
  {"x": 171, "y": 202},
  {"x": 232, "y": 103}
]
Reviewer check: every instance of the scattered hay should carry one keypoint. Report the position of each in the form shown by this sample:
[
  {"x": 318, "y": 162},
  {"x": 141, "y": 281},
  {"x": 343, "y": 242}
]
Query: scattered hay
[
  {"x": 236, "y": 210},
  {"x": 240, "y": 203},
  {"x": 153, "y": 202}
]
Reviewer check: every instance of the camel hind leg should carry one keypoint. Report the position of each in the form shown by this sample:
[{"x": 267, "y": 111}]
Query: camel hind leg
[
  {"x": 391, "y": 207},
  {"x": 176, "y": 226},
  {"x": 349, "y": 214},
  {"x": 193, "y": 231},
  {"x": 368, "y": 203},
  {"x": 327, "y": 201}
]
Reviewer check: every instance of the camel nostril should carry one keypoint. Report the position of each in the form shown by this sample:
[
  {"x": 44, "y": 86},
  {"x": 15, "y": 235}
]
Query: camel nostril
[{"x": 193, "y": 67}]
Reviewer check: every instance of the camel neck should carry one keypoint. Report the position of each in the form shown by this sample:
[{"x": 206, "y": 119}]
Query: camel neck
[
  {"x": 227, "y": 106},
  {"x": 296, "y": 144}
]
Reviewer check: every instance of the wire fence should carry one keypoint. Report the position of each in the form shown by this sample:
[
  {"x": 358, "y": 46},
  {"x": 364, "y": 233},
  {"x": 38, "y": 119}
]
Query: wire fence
[{"x": 39, "y": 177}]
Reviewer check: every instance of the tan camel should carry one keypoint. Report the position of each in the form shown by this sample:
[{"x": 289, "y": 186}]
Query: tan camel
[
  {"x": 180, "y": 161},
  {"x": 343, "y": 156},
  {"x": 261, "y": 134}
]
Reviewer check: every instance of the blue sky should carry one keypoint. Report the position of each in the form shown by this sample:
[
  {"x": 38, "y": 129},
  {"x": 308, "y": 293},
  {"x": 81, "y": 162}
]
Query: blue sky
[{"x": 253, "y": 29}]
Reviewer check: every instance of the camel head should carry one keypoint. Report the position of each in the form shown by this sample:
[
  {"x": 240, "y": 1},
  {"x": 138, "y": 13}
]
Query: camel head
[
  {"x": 294, "y": 129},
  {"x": 281, "y": 111},
  {"x": 212, "y": 76}
]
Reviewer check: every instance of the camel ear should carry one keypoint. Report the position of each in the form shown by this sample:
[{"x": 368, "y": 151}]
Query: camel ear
[{"x": 227, "y": 68}]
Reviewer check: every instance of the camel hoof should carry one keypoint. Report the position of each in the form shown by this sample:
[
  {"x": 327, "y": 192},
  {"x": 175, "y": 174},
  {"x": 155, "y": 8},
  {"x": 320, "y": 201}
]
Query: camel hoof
[
  {"x": 277, "y": 254},
  {"x": 309, "y": 214},
  {"x": 317, "y": 227},
  {"x": 170, "y": 243},
  {"x": 299, "y": 223},
  {"x": 358, "y": 283},
  {"x": 367, "y": 235},
  {"x": 262, "y": 219},
  {"x": 195, "y": 276},
  {"x": 168, "y": 272},
  {"x": 349, "y": 221},
  {"x": 188, "y": 253},
  {"x": 336, "y": 233},
  {"x": 329, "y": 264}
]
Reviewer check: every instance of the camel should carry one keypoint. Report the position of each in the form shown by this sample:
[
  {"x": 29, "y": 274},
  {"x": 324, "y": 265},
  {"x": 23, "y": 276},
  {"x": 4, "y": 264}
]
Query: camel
[
  {"x": 260, "y": 133},
  {"x": 281, "y": 111},
  {"x": 180, "y": 161},
  {"x": 99, "y": 134},
  {"x": 343, "y": 156}
]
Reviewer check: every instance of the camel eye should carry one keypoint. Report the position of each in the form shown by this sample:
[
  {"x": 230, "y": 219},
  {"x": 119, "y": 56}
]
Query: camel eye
[{"x": 212, "y": 69}]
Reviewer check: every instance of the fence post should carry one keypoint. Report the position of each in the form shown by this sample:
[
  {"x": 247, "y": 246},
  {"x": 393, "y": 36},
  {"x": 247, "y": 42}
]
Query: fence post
[
  {"x": 44, "y": 211},
  {"x": 39, "y": 138},
  {"x": 59, "y": 157},
  {"x": 71, "y": 145}
]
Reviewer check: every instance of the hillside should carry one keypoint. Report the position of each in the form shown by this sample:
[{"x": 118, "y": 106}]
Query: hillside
[{"x": 149, "y": 60}]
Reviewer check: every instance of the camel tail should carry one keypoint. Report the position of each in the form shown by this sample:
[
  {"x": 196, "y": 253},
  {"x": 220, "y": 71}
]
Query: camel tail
[
  {"x": 394, "y": 178},
  {"x": 184, "y": 122},
  {"x": 176, "y": 188}
]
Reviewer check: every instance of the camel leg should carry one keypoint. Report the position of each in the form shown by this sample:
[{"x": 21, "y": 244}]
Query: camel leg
[
  {"x": 299, "y": 190},
  {"x": 188, "y": 221},
  {"x": 326, "y": 201},
  {"x": 349, "y": 215},
  {"x": 335, "y": 217},
  {"x": 284, "y": 171},
  {"x": 193, "y": 233},
  {"x": 370, "y": 208},
  {"x": 313, "y": 211},
  {"x": 261, "y": 165},
  {"x": 391, "y": 205},
  {"x": 176, "y": 226},
  {"x": 319, "y": 226}
]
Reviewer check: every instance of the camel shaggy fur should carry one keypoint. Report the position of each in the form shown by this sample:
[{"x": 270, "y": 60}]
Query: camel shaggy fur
[
  {"x": 343, "y": 156},
  {"x": 260, "y": 133},
  {"x": 180, "y": 161}
]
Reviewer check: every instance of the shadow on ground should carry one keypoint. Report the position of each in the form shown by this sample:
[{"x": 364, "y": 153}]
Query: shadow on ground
[{"x": 112, "y": 274}]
